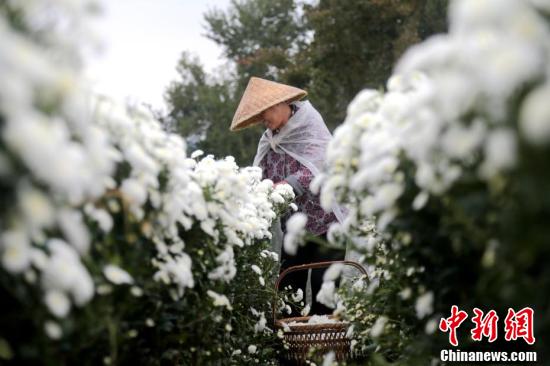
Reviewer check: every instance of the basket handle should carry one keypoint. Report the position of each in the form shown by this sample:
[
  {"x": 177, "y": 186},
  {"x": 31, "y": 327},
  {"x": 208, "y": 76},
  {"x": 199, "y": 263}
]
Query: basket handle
[{"x": 302, "y": 267}]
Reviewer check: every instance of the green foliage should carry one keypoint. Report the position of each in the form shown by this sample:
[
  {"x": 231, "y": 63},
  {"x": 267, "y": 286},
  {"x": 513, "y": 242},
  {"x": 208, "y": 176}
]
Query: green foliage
[
  {"x": 259, "y": 36},
  {"x": 201, "y": 108},
  {"x": 144, "y": 324},
  {"x": 356, "y": 44},
  {"x": 475, "y": 246},
  {"x": 480, "y": 241},
  {"x": 333, "y": 49}
]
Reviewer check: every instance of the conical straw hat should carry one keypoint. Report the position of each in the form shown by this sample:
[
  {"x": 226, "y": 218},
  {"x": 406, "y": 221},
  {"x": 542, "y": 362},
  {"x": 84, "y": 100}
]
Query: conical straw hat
[{"x": 259, "y": 95}]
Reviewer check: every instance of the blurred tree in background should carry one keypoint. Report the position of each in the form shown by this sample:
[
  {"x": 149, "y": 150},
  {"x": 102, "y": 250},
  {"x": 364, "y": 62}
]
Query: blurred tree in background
[
  {"x": 258, "y": 38},
  {"x": 333, "y": 49},
  {"x": 201, "y": 108},
  {"x": 262, "y": 37},
  {"x": 357, "y": 42}
]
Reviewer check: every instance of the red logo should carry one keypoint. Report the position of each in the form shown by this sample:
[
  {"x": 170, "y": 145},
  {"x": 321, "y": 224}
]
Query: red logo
[
  {"x": 485, "y": 326},
  {"x": 520, "y": 325},
  {"x": 452, "y": 323},
  {"x": 516, "y": 325}
]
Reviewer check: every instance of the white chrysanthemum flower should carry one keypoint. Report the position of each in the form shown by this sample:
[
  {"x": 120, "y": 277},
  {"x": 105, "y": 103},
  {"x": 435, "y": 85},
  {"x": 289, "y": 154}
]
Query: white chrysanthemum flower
[
  {"x": 16, "y": 251},
  {"x": 328, "y": 359},
  {"x": 333, "y": 272},
  {"x": 295, "y": 227},
  {"x": 134, "y": 190},
  {"x": 38, "y": 142},
  {"x": 65, "y": 272},
  {"x": 58, "y": 303},
  {"x": 269, "y": 254},
  {"x": 420, "y": 200},
  {"x": 277, "y": 198},
  {"x": 101, "y": 216},
  {"x": 104, "y": 289},
  {"x": 378, "y": 326},
  {"x": 535, "y": 116},
  {"x": 500, "y": 152},
  {"x": 74, "y": 229},
  {"x": 489, "y": 256},
  {"x": 197, "y": 153},
  {"x": 219, "y": 300},
  {"x": 140, "y": 160},
  {"x": 431, "y": 326},
  {"x": 252, "y": 349},
  {"x": 327, "y": 194},
  {"x": 82, "y": 290},
  {"x": 406, "y": 293},
  {"x": 298, "y": 296},
  {"x": 461, "y": 142},
  {"x": 176, "y": 269},
  {"x": 53, "y": 330},
  {"x": 424, "y": 305},
  {"x": 285, "y": 190},
  {"x": 256, "y": 269},
  {"x": 327, "y": 295},
  {"x": 365, "y": 101},
  {"x": 136, "y": 291},
  {"x": 117, "y": 275},
  {"x": 468, "y": 15},
  {"x": 226, "y": 270},
  {"x": 36, "y": 207},
  {"x": 260, "y": 325}
]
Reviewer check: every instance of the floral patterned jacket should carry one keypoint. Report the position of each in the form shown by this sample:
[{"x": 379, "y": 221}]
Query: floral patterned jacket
[{"x": 281, "y": 166}]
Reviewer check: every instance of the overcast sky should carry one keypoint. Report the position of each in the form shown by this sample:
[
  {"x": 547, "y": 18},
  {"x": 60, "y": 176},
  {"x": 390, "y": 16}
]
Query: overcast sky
[{"x": 143, "y": 40}]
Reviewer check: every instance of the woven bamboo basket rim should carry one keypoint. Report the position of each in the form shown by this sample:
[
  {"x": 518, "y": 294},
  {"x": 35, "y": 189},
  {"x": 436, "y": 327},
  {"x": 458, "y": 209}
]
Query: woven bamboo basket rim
[{"x": 304, "y": 327}]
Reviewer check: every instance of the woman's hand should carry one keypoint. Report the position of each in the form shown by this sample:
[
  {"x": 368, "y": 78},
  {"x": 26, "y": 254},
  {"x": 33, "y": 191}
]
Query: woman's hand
[{"x": 280, "y": 182}]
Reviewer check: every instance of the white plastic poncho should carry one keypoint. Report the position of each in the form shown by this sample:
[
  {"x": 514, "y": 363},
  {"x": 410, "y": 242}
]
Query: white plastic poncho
[{"x": 305, "y": 138}]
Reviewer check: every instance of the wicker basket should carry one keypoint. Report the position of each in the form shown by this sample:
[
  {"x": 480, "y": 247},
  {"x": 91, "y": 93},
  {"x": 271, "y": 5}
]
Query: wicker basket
[{"x": 324, "y": 337}]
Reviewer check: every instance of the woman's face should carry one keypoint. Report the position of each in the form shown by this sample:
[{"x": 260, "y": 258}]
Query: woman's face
[{"x": 276, "y": 116}]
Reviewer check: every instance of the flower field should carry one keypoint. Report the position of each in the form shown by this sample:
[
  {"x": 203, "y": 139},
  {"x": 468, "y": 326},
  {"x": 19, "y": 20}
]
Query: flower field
[
  {"x": 115, "y": 244},
  {"x": 445, "y": 174}
]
